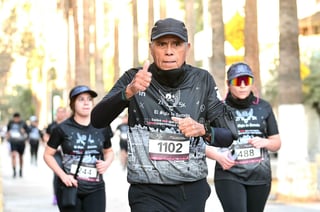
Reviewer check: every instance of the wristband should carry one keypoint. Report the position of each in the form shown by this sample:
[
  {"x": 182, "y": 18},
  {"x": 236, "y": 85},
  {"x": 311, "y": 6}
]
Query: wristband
[{"x": 207, "y": 135}]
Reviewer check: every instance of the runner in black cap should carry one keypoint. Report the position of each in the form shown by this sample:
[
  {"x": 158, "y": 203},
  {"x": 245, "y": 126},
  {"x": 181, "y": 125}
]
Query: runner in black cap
[
  {"x": 77, "y": 137},
  {"x": 169, "y": 103},
  {"x": 243, "y": 173}
]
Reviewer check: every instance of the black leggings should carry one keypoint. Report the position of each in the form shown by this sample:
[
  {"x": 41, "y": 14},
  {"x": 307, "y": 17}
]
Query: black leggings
[
  {"x": 93, "y": 202},
  {"x": 34, "y": 146},
  {"x": 235, "y": 196},
  {"x": 186, "y": 197}
]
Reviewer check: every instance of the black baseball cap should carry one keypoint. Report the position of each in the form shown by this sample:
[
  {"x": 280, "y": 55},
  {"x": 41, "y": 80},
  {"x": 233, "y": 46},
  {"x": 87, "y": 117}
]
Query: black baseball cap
[
  {"x": 81, "y": 89},
  {"x": 239, "y": 69},
  {"x": 169, "y": 26}
]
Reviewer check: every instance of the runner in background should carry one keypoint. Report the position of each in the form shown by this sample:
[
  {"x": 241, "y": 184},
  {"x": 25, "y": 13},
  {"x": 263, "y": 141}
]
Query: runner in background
[
  {"x": 35, "y": 136},
  {"x": 242, "y": 175},
  {"x": 78, "y": 138},
  {"x": 122, "y": 130},
  {"x": 17, "y": 134},
  {"x": 61, "y": 115}
]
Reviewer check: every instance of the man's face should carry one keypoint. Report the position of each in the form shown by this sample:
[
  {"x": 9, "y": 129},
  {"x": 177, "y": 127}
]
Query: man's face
[
  {"x": 17, "y": 119},
  {"x": 61, "y": 114},
  {"x": 169, "y": 52}
]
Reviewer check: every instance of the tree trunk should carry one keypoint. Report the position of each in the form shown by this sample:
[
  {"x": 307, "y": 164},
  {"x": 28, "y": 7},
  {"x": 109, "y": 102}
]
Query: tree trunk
[
  {"x": 76, "y": 40},
  {"x": 69, "y": 78},
  {"x": 294, "y": 171},
  {"x": 150, "y": 25},
  {"x": 217, "y": 61},
  {"x": 81, "y": 31},
  {"x": 251, "y": 42},
  {"x": 85, "y": 77},
  {"x": 135, "y": 34},
  {"x": 290, "y": 85},
  {"x": 99, "y": 82},
  {"x": 163, "y": 12},
  {"x": 190, "y": 23},
  {"x": 116, "y": 51}
]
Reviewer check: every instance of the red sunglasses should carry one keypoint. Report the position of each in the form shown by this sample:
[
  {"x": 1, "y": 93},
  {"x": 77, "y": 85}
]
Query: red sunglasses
[{"x": 238, "y": 80}]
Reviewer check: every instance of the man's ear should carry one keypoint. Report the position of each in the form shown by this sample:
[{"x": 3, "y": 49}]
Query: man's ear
[{"x": 150, "y": 48}]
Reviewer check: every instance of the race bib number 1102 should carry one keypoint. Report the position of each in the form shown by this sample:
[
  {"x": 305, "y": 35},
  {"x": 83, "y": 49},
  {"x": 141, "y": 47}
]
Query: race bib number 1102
[{"x": 168, "y": 146}]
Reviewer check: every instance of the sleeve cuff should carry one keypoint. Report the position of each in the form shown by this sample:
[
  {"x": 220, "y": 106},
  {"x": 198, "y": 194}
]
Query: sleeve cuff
[
  {"x": 123, "y": 95},
  {"x": 220, "y": 137}
]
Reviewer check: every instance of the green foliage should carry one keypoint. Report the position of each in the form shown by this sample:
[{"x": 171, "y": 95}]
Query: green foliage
[
  {"x": 28, "y": 43},
  {"x": 270, "y": 90},
  {"x": 312, "y": 83},
  {"x": 20, "y": 101},
  {"x": 19, "y": 40},
  {"x": 196, "y": 12},
  {"x": 5, "y": 61},
  {"x": 312, "y": 93},
  {"x": 199, "y": 18},
  {"x": 9, "y": 25},
  {"x": 8, "y": 29}
]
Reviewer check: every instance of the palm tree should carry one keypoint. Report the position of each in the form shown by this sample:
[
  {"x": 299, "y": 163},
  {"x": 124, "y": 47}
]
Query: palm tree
[
  {"x": 116, "y": 51},
  {"x": 289, "y": 69},
  {"x": 135, "y": 33},
  {"x": 150, "y": 22},
  {"x": 66, "y": 7},
  {"x": 251, "y": 41},
  {"x": 163, "y": 12},
  {"x": 190, "y": 23},
  {"x": 82, "y": 56},
  {"x": 99, "y": 82},
  {"x": 293, "y": 131},
  {"x": 217, "y": 61}
]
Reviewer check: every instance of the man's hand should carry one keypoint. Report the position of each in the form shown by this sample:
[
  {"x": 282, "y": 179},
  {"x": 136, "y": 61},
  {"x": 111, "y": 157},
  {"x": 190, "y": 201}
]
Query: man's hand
[
  {"x": 189, "y": 127},
  {"x": 140, "y": 82}
]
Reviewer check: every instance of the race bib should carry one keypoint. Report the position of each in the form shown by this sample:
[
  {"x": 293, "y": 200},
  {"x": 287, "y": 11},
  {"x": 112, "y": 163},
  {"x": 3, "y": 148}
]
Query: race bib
[
  {"x": 34, "y": 134},
  {"x": 15, "y": 134},
  {"x": 246, "y": 153},
  {"x": 168, "y": 146},
  {"x": 86, "y": 171}
]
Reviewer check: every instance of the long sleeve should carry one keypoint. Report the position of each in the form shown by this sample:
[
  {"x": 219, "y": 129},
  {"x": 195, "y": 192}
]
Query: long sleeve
[
  {"x": 113, "y": 103},
  {"x": 108, "y": 109}
]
